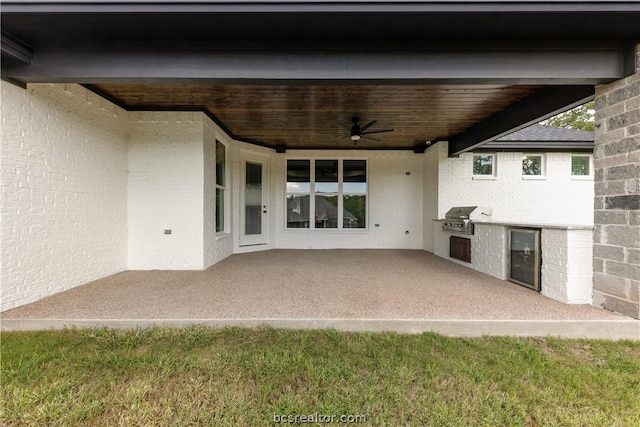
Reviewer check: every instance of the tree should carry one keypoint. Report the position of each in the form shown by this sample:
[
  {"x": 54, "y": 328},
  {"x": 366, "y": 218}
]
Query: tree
[{"x": 581, "y": 117}]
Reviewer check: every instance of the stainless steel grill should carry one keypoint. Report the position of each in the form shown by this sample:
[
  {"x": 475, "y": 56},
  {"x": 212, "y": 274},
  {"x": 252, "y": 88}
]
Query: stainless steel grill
[{"x": 460, "y": 218}]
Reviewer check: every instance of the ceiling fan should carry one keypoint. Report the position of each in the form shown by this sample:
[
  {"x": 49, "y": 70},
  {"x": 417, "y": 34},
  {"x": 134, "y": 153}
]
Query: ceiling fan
[{"x": 356, "y": 131}]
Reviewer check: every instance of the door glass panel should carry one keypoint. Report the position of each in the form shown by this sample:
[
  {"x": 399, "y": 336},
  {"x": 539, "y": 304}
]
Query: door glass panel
[
  {"x": 523, "y": 257},
  {"x": 253, "y": 199}
]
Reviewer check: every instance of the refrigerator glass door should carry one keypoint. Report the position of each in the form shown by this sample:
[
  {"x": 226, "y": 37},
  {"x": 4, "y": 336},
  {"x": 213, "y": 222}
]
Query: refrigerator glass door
[{"x": 524, "y": 257}]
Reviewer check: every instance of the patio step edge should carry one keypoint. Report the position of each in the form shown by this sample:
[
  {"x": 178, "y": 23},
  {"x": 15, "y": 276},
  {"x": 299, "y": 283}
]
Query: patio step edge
[{"x": 591, "y": 329}]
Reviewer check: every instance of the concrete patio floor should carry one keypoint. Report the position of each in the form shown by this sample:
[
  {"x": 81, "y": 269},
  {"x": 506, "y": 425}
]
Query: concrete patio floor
[{"x": 401, "y": 290}]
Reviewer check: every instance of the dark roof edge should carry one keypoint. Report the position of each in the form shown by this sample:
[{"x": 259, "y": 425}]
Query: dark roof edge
[
  {"x": 310, "y": 6},
  {"x": 547, "y": 134}
]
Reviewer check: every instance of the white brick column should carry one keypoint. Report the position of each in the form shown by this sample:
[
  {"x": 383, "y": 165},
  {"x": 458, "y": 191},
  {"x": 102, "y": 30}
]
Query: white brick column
[{"x": 616, "y": 250}]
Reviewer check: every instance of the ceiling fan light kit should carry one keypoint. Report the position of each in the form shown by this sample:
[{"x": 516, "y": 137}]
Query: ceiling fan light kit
[{"x": 356, "y": 131}]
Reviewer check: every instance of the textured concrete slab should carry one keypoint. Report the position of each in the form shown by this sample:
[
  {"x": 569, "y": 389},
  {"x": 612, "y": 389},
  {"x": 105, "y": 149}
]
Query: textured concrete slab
[{"x": 407, "y": 291}]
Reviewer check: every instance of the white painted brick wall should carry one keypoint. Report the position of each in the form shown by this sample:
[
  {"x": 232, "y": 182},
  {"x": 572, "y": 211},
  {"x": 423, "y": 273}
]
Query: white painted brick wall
[
  {"x": 566, "y": 273},
  {"x": 63, "y": 190},
  {"x": 430, "y": 195},
  {"x": 488, "y": 248},
  {"x": 216, "y": 246},
  {"x": 209, "y": 194},
  {"x": 567, "y": 269},
  {"x": 556, "y": 199},
  {"x": 394, "y": 202},
  {"x": 166, "y": 191}
]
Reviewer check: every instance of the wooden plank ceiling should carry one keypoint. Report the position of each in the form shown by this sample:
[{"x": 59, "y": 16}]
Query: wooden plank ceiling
[{"x": 309, "y": 116}]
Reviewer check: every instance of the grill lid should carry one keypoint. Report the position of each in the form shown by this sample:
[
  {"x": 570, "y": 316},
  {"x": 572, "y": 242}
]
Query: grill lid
[
  {"x": 460, "y": 212},
  {"x": 467, "y": 212}
]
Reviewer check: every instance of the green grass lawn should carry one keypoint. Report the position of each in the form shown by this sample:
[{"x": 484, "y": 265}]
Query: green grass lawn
[{"x": 203, "y": 376}]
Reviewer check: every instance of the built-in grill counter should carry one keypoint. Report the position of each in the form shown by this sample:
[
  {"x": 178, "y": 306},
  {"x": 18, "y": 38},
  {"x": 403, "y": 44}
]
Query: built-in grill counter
[
  {"x": 459, "y": 221},
  {"x": 460, "y": 218},
  {"x": 554, "y": 259}
]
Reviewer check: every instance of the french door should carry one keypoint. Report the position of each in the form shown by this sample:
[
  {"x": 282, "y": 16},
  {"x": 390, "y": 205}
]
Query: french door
[{"x": 254, "y": 212}]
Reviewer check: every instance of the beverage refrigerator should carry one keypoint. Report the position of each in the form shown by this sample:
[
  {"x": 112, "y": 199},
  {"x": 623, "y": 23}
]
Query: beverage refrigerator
[{"x": 524, "y": 257}]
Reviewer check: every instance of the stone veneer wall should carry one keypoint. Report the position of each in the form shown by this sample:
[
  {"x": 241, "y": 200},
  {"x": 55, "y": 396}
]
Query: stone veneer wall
[{"x": 616, "y": 249}]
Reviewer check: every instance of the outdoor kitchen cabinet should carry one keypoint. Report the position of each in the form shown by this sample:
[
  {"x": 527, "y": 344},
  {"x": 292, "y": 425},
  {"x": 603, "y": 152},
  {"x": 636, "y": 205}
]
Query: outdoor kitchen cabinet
[{"x": 524, "y": 257}]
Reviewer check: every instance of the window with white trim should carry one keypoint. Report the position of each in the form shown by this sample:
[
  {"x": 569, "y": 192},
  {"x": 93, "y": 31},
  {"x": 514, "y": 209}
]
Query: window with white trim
[
  {"x": 339, "y": 189},
  {"x": 581, "y": 166},
  {"x": 221, "y": 186},
  {"x": 533, "y": 166},
  {"x": 484, "y": 165}
]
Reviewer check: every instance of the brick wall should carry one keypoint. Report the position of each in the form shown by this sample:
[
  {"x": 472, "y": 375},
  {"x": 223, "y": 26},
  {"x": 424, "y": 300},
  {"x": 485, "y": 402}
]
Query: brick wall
[
  {"x": 432, "y": 158},
  {"x": 209, "y": 193},
  {"x": 488, "y": 248},
  {"x": 567, "y": 265},
  {"x": 165, "y": 191},
  {"x": 217, "y": 246},
  {"x": 616, "y": 247},
  {"x": 63, "y": 157},
  {"x": 566, "y": 254},
  {"x": 555, "y": 199}
]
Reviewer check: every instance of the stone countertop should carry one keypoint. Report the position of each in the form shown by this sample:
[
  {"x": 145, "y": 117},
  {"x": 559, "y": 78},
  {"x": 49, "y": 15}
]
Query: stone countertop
[
  {"x": 536, "y": 225},
  {"x": 530, "y": 224}
]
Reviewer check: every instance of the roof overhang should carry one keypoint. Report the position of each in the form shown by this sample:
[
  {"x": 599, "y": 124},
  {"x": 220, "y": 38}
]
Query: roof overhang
[{"x": 567, "y": 46}]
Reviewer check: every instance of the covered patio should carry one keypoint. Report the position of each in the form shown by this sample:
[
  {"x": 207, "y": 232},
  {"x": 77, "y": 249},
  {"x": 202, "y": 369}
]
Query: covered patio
[
  {"x": 400, "y": 290},
  {"x": 170, "y": 137}
]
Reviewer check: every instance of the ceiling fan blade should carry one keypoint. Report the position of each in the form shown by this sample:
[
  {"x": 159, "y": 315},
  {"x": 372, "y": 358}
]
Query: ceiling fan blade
[
  {"x": 370, "y": 138},
  {"x": 344, "y": 126},
  {"x": 377, "y": 131},
  {"x": 368, "y": 125}
]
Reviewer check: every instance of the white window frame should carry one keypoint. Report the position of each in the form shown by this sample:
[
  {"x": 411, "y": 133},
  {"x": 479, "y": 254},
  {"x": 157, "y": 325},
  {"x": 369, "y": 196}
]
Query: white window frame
[
  {"x": 340, "y": 194},
  {"x": 226, "y": 209},
  {"x": 589, "y": 177},
  {"x": 494, "y": 163},
  {"x": 543, "y": 166}
]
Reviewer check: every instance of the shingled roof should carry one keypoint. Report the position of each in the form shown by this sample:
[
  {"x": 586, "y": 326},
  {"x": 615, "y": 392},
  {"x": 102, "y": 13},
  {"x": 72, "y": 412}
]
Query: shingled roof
[{"x": 543, "y": 137}]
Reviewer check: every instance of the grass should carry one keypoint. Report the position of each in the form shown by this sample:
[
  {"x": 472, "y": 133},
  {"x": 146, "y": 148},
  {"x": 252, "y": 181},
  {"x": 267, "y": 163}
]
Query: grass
[{"x": 203, "y": 376}]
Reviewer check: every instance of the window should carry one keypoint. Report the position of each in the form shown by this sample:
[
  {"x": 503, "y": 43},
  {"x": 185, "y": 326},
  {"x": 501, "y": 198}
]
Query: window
[
  {"x": 326, "y": 193},
  {"x": 484, "y": 165},
  {"x": 339, "y": 189},
  {"x": 581, "y": 166},
  {"x": 221, "y": 188},
  {"x": 298, "y": 193},
  {"x": 533, "y": 166},
  {"x": 354, "y": 194}
]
